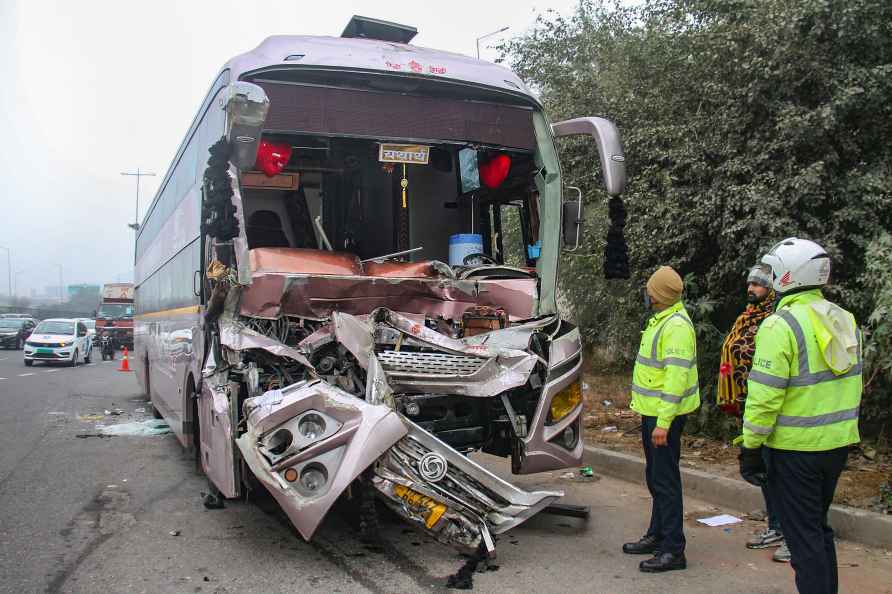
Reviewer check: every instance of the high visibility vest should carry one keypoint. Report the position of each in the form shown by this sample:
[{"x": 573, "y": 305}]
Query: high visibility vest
[
  {"x": 664, "y": 381},
  {"x": 796, "y": 401}
]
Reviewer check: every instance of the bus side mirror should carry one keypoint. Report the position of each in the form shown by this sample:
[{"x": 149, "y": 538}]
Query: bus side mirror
[
  {"x": 610, "y": 147},
  {"x": 571, "y": 221},
  {"x": 246, "y": 106}
]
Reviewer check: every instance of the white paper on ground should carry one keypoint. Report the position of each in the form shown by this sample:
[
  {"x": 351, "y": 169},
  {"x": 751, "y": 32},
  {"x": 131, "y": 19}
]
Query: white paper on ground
[{"x": 720, "y": 520}]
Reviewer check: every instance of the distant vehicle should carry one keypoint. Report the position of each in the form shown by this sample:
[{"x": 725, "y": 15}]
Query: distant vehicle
[
  {"x": 59, "y": 339},
  {"x": 106, "y": 346},
  {"x": 14, "y": 332},
  {"x": 91, "y": 327},
  {"x": 115, "y": 313}
]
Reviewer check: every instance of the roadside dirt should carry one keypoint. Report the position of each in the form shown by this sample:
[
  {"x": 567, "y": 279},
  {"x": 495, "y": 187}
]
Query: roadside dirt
[{"x": 610, "y": 424}]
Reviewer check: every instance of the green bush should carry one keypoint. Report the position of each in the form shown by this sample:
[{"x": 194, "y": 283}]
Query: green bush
[{"x": 744, "y": 122}]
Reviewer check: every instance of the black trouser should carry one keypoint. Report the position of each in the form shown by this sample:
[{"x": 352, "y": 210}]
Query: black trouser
[
  {"x": 804, "y": 483},
  {"x": 664, "y": 484},
  {"x": 772, "y": 507}
]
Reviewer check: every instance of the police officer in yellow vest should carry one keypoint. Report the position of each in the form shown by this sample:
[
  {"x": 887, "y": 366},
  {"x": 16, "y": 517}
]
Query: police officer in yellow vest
[
  {"x": 804, "y": 392},
  {"x": 664, "y": 391}
]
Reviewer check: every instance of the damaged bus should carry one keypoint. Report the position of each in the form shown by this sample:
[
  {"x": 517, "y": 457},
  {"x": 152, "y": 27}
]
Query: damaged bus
[{"x": 348, "y": 275}]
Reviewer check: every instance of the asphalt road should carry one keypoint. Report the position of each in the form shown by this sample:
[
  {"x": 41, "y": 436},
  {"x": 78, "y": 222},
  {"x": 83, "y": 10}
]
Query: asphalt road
[{"x": 124, "y": 514}]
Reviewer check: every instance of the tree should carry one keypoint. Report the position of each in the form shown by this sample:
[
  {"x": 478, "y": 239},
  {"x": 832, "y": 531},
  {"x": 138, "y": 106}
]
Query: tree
[{"x": 744, "y": 122}]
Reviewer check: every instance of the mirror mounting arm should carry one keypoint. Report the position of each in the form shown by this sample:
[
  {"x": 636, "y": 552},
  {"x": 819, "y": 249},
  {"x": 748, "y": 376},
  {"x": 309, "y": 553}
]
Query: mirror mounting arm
[
  {"x": 578, "y": 221},
  {"x": 610, "y": 148}
]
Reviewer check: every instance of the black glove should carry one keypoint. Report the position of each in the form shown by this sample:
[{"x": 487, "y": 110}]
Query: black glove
[{"x": 752, "y": 466}]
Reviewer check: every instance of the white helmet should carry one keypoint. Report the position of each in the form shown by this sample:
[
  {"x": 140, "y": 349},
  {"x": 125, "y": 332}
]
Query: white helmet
[{"x": 797, "y": 263}]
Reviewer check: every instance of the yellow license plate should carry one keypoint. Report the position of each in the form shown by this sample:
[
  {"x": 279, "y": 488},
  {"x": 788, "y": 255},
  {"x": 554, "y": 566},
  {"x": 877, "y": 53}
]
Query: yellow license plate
[{"x": 434, "y": 509}]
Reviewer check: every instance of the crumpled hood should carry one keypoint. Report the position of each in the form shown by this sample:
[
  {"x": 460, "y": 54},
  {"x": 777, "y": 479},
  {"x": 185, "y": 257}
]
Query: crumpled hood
[{"x": 836, "y": 334}]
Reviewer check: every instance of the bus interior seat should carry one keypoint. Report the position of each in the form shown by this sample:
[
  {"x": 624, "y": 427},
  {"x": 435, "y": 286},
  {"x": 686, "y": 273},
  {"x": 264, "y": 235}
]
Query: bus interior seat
[{"x": 264, "y": 229}]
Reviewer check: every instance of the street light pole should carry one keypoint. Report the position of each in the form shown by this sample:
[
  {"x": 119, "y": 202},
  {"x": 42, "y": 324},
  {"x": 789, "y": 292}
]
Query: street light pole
[
  {"x": 135, "y": 224},
  {"x": 17, "y": 273},
  {"x": 61, "y": 286},
  {"x": 502, "y": 30},
  {"x": 8, "y": 270}
]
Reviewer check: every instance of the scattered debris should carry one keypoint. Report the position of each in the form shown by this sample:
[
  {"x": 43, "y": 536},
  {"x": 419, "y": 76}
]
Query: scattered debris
[
  {"x": 463, "y": 579},
  {"x": 174, "y": 532},
  {"x": 86, "y": 435},
  {"x": 213, "y": 501},
  {"x": 138, "y": 428},
  {"x": 90, "y": 417},
  {"x": 720, "y": 520},
  {"x": 139, "y": 410},
  {"x": 55, "y": 413},
  {"x": 869, "y": 453}
]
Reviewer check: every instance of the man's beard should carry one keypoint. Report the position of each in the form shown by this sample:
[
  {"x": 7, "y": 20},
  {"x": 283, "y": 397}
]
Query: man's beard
[{"x": 753, "y": 299}]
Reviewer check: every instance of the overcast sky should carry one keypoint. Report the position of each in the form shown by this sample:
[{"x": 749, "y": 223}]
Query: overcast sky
[{"x": 96, "y": 87}]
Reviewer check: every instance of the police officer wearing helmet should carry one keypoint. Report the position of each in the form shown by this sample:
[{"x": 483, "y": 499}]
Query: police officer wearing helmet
[
  {"x": 804, "y": 393},
  {"x": 664, "y": 390}
]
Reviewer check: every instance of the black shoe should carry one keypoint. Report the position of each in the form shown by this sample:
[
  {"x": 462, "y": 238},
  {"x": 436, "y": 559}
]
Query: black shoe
[
  {"x": 663, "y": 562},
  {"x": 648, "y": 545}
]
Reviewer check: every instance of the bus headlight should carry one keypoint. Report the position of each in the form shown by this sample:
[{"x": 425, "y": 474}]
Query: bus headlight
[{"x": 565, "y": 401}]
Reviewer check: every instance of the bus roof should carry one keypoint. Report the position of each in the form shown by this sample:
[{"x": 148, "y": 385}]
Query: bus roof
[{"x": 372, "y": 55}]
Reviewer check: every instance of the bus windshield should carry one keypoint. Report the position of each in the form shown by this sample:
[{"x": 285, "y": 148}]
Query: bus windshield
[{"x": 115, "y": 310}]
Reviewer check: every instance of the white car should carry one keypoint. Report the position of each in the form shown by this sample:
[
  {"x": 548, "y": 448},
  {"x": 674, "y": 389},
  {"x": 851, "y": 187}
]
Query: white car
[{"x": 59, "y": 340}]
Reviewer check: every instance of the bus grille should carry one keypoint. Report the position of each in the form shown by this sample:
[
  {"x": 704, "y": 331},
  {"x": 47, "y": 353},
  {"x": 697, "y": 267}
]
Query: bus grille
[{"x": 409, "y": 363}]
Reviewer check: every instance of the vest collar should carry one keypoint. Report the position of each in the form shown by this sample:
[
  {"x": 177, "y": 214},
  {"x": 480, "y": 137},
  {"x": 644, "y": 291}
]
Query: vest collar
[{"x": 803, "y": 297}]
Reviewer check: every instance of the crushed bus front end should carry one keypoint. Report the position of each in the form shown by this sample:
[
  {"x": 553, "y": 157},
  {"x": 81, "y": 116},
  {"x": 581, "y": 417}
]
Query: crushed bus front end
[
  {"x": 379, "y": 259},
  {"x": 394, "y": 400}
]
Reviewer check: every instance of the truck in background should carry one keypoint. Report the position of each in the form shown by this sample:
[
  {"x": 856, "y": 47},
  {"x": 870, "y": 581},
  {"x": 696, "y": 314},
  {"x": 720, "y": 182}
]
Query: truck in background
[{"x": 115, "y": 313}]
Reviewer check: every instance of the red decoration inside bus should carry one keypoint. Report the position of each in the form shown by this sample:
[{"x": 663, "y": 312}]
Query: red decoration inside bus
[
  {"x": 494, "y": 171},
  {"x": 272, "y": 157}
]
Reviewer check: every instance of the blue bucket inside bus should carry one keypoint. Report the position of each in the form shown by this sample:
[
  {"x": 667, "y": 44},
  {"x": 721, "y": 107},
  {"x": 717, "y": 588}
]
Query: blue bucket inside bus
[{"x": 462, "y": 245}]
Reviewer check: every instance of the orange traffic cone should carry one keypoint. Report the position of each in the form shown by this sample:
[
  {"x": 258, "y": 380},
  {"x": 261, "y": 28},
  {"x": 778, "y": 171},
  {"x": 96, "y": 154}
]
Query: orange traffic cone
[{"x": 125, "y": 365}]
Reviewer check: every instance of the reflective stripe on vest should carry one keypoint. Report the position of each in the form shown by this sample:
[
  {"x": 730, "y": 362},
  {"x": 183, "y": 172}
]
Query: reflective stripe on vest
[
  {"x": 815, "y": 421},
  {"x": 654, "y": 362},
  {"x": 818, "y": 420},
  {"x": 663, "y": 395},
  {"x": 805, "y": 377},
  {"x": 758, "y": 429}
]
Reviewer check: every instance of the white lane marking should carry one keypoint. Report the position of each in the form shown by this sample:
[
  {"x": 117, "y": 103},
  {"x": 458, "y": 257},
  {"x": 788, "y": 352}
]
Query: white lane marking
[
  {"x": 3, "y": 358},
  {"x": 2, "y": 378},
  {"x": 50, "y": 370},
  {"x": 88, "y": 364},
  {"x": 25, "y": 374}
]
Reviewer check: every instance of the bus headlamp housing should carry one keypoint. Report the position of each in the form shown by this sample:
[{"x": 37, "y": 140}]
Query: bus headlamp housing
[
  {"x": 246, "y": 106},
  {"x": 565, "y": 401}
]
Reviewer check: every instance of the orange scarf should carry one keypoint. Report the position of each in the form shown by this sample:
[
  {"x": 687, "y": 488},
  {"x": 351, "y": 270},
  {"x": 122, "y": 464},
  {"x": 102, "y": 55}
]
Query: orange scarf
[{"x": 737, "y": 355}]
